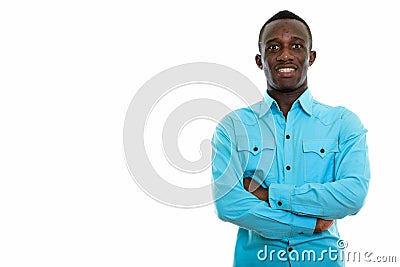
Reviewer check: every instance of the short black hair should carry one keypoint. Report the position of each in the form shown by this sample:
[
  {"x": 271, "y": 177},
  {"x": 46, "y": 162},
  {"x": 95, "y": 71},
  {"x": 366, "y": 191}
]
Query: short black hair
[{"x": 284, "y": 14}]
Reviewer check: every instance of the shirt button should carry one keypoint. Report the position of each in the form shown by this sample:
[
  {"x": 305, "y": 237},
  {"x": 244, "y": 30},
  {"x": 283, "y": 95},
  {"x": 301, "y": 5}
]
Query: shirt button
[
  {"x": 255, "y": 149},
  {"x": 322, "y": 150},
  {"x": 288, "y": 167},
  {"x": 279, "y": 203},
  {"x": 287, "y": 136}
]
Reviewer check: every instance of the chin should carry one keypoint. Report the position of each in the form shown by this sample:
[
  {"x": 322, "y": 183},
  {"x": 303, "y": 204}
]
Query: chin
[
  {"x": 289, "y": 86},
  {"x": 286, "y": 90},
  {"x": 286, "y": 87}
]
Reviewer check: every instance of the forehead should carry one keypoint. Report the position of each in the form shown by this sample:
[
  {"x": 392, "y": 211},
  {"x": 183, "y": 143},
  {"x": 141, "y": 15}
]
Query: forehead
[{"x": 285, "y": 27}]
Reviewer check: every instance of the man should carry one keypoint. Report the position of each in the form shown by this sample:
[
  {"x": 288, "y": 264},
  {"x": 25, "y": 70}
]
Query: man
[{"x": 286, "y": 168}]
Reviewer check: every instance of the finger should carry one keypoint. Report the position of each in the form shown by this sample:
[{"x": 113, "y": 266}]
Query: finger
[{"x": 253, "y": 186}]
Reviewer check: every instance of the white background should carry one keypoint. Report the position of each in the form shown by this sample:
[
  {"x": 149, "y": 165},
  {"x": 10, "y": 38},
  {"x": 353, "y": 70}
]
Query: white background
[{"x": 68, "y": 71}]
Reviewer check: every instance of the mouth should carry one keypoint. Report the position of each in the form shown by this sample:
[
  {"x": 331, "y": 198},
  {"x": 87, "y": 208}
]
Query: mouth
[{"x": 286, "y": 70}]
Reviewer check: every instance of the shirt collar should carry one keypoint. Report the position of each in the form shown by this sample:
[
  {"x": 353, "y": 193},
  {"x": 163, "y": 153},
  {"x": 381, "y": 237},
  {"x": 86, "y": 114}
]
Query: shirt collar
[{"x": 305, "y": 101}]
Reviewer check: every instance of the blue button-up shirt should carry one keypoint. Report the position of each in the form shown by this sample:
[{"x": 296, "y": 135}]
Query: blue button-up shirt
[{"x": 314, "y": 163}]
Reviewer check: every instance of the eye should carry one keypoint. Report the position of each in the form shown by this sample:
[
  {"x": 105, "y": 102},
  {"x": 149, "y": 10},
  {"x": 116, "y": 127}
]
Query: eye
[
  {"x": 297, "y": 46},
  {"x": 273, "y": 47}
]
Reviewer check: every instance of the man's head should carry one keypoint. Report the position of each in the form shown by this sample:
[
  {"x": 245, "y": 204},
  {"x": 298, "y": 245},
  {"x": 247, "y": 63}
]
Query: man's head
[{"x": 285, "y": 44}]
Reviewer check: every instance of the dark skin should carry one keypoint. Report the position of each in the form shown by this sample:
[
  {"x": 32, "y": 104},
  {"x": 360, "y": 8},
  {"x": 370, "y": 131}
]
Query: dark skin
[
  {"x": 285, "y": 58},
  {"x": 285, "y": 55}
]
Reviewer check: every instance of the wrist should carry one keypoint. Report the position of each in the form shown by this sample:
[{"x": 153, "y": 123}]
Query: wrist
[{"x": 262, "y": 194}]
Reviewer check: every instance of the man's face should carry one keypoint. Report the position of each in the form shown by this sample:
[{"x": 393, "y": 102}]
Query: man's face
[{"x": 285, "y": 55}]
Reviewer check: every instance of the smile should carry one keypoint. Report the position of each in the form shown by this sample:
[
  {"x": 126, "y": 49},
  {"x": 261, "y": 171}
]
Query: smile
[{"x": 286, "y": 70}]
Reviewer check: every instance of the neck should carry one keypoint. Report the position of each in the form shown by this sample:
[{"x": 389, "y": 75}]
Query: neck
[{"x": 285, "y": 100}]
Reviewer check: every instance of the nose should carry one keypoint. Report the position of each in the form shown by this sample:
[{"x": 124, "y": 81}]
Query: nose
[{"x": 285, "y": 55}]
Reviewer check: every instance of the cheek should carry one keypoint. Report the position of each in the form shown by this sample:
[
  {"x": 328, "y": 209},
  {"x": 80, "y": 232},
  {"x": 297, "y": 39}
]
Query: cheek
[
  {"x": 305, "y": 66},
  {"x": 306, "y": 59},
  {"x": 304, "y": 62},
  {"x": 268, "y": 73},
  {"x": 268, "y": 67}
]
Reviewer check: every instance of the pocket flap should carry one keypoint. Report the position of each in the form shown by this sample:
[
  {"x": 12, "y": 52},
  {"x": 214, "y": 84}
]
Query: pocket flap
[
  {"x": 321, "y": 146},
  {"x": 255, "y": 146}
]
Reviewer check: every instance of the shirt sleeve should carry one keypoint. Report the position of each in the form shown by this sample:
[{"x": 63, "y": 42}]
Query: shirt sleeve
[
  {"x": 332, "y": 200},
  {"x": 234, "y": 204}
]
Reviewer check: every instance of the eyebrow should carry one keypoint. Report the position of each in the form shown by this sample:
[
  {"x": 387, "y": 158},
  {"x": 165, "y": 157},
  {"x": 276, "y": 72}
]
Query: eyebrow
[
  {"x": 276, "y": 39},
  {"x": 298, "y": 38}
]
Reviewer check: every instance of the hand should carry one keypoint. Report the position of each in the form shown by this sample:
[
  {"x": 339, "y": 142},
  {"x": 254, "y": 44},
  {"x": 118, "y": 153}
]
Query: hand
[
  {"x": 322, "y": 225},
  {"x": 250, "y": 184},
  {"x": 255, "y": 188}
]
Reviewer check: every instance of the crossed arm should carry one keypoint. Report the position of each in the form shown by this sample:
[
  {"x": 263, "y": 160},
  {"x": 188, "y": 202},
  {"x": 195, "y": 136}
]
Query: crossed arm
[
  {"x": 284, "y": 210},
  {"x": 261, "y": 193}
]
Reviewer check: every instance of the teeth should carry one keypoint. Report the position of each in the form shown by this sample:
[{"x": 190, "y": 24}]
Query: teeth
[{"x": 286, "y": 70}]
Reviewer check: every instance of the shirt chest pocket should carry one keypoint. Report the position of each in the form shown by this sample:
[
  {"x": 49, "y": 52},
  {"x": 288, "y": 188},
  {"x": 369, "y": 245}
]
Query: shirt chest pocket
[
  {"x": 256, "y": 156},
  {"x": 319, "y": 160}
]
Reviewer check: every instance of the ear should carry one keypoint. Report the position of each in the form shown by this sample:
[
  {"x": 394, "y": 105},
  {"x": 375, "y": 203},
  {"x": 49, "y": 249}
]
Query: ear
[
  {"x": 258, "y": 61},
  {"x": 313, "y": 55}
]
